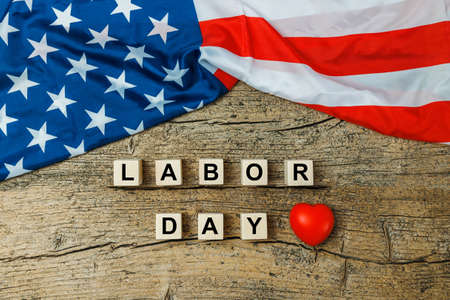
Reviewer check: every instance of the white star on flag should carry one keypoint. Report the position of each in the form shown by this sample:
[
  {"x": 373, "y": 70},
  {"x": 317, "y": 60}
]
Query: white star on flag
[
  {"x": 5, "y": 29},
  {"x": 157, "y": 101},
  {"x": 21, "y": 84},
  {"x": 64, "y": 18},
  {"x": 16, "y": 170},
  {"x": 119, "y": 85},
  {"x": 99, "y": 119},
  {"x": 76, "y": 151},
  {"x": 40, "y": 137},
  {"x": 125, "y": 7},
  {"x": 140, "y": 128},
  {"x": 187, "y": 109},
  {"x": 80, "y": 66},
  {"x": 29, "y": 3},
  {"x": 162, "y": 27},
  {"x": 101, "y": 37},
  {"x": 138, "y": 54},
  {"x": 60, "y": 101},
  {"x": 176, "y": 74},
  {"x": 41, "y": 48},
  {"x": 5, "y": 120}
]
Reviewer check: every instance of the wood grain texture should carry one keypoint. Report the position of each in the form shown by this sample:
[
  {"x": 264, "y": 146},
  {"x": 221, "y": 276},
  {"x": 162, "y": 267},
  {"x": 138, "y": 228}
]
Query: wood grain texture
[{"x": 65, "y": 232}]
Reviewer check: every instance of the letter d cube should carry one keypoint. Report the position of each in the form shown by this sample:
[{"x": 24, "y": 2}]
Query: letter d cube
[{"x": 168, "y": 227}]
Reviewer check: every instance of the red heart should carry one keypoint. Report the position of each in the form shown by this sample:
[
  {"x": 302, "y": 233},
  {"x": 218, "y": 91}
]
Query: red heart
[{"x": 311, "y": 223}]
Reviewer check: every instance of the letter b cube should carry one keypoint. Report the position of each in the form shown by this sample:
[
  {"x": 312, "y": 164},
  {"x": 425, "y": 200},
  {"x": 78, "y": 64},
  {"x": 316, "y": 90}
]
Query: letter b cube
[{"x": 210, "y": 171}]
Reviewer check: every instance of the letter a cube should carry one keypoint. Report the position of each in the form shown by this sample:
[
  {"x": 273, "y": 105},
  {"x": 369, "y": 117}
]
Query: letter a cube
[
  {"x": 210, "y": 226},
  {"x": 168, "y": 172}
]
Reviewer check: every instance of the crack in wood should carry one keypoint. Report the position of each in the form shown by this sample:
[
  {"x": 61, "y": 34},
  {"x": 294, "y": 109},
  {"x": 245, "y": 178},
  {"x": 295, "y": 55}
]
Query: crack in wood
[
  {"x": 304, "y": 126},
  {"x": 226, "y": 123},
  {"x": 344, "y": 278},
  {"x": 114, "y": 246},
  {"x": 415, "y": 217},
  {"x": 188, "y": 121},
  {"x": 131, "y": 146},
  {"x": 383, "y": 263},
  {"x": 56, "y": 254},
  {"x": 335, "y": 125},
  {"x": 387, "y": 237},
  {"x": 222, "y": 187},
  {"x": 168, "y": 294}
]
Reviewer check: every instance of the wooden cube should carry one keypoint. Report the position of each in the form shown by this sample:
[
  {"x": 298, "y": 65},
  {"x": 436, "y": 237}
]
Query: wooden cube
[
  {"x": 127, "y": 172},
  {"x": 169, "y": 227},
  {"x": 210, "y": 226},
  {"x": 210, "y": 171},
  {"x": 254, "y": 172},
  {"x": 254, "y": 226},
  {"x": 299, "y": 172},
  {"x": 168, "y": 172}
]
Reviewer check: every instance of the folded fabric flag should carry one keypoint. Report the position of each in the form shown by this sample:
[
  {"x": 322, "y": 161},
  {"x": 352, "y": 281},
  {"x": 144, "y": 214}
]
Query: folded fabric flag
[{"x": 75, "y": 75}]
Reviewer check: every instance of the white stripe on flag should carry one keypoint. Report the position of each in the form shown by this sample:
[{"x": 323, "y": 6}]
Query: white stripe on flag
[
  {"x": 280, "y": 9},
  {"x": 330, "y": 18},
  {"x": 403, "y": 15},
  {"x": 299, "y": 83}
]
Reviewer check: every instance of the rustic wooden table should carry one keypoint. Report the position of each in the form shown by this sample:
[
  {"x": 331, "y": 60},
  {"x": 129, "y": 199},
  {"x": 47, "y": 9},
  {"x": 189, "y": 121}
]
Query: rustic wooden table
[{"x": 65, "y": 232}]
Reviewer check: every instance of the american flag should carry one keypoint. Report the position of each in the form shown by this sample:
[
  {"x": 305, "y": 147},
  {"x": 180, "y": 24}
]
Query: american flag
[{"x": 75, "y": 75}]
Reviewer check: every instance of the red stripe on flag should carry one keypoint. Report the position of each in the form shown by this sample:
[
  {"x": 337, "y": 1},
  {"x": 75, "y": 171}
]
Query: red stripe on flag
[
  {"x": 227, "y": 80},
  {"x": 390, "y": 51},
  {"x": 430, "y": 122}
]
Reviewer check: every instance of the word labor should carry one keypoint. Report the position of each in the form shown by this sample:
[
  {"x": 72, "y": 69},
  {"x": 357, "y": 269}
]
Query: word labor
[
  {"x": 254, "y": 172},
  {"x": 210, "y": 226}
]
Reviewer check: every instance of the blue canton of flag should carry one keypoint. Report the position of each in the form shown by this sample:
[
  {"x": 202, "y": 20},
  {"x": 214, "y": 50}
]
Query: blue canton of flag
[{"x": 75, "y": 75}]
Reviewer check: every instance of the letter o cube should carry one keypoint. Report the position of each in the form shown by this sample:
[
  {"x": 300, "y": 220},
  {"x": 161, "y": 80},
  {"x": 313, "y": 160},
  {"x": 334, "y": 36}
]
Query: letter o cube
[{"x": 254, "y": 172}]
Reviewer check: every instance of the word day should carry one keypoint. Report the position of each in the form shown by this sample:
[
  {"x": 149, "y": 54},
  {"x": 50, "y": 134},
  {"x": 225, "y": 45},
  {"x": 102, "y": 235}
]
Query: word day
[
  {"x": 210, "y": 226},
  {"x": 254, "y": 172}
]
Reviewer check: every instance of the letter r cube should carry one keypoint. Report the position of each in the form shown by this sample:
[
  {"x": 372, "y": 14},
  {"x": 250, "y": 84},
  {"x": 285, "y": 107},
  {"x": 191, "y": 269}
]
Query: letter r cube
[{"x": 299, "y": 173}]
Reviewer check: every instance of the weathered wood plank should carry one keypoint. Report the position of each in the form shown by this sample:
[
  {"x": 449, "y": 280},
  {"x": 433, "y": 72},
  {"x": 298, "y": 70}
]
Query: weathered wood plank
[{"x": 66, "y": 232}]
